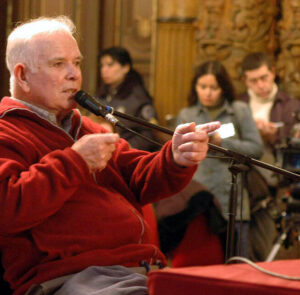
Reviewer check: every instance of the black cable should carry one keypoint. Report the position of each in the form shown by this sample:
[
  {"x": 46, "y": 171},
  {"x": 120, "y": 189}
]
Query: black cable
[{"x": 138, "y": 134}]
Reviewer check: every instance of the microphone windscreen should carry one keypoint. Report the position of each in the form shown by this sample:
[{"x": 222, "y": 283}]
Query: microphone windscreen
[{"x": 88, "y": 102}]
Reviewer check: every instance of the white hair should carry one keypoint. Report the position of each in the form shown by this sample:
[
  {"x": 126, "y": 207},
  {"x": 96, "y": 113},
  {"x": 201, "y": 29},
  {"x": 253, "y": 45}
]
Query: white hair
[{"x": 19, "y": 48}]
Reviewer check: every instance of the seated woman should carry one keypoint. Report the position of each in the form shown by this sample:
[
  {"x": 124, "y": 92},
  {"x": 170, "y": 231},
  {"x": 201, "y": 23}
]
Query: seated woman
[
  {"x": 122, "y": 88},
  {"x": 212, "y": 98}
]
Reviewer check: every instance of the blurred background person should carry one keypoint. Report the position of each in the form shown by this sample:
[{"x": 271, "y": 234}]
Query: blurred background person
[
  {"x": 212, "y": 97},
  {"x": 272, "y": 108},
  {"x": 122, "y": 88}
]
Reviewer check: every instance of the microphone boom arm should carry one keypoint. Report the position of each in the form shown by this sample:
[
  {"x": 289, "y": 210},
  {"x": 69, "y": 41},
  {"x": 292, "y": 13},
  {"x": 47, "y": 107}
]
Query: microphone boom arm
[
  {"x": 239, "y": 158},
  {"x": 107, "y": 112}
]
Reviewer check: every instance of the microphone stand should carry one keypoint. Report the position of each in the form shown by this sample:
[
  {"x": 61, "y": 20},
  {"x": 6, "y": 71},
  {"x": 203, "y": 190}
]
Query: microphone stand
[
  {"x": 239, "y": 163},
  {"x": 237, "y": 157}
]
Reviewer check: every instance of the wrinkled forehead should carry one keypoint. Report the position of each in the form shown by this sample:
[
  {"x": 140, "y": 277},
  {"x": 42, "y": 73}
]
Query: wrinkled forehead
[
  {"x": 46, "y": 38},
  {"x": 59, "y": 42}
]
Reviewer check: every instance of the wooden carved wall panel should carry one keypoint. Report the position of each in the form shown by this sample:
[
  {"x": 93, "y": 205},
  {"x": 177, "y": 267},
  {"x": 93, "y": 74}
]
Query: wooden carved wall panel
[
  {"x": 3, "y": 35},
  {"x": 288, "y": 64},
  {"x": 177, "y": 9},
  {"x": 128, "y": 23},
  {"x": 174, "y": 60},
  {"x": 174, "y": 55},
  {"x": 228, "y": 30},
  {"x": 85, "y": 15},
  {"x": 135, "y": 33},
  {"x": 34, "y": 8}
]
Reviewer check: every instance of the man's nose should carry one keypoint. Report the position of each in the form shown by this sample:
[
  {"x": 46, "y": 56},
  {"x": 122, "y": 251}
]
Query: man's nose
[
  {"x": 208, "y": 91},
  {"x": 260, "y": 83},
  {"x": 74, "y": 72}
]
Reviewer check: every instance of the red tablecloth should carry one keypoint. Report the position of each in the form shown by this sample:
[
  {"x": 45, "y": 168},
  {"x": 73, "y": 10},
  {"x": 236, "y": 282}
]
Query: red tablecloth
[{"x": 229, "y": 279}]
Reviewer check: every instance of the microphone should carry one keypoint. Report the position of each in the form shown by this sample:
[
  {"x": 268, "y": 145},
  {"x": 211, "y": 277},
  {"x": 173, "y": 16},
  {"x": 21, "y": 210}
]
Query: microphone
[{"x": 91, "y": 104}]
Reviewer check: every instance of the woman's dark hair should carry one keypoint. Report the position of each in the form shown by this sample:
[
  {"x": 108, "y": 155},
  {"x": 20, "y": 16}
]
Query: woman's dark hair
[
  {"x": 215, "y": 68},
  {"x": 122, "y": 56},
  {"x": 119, "y": 54}
]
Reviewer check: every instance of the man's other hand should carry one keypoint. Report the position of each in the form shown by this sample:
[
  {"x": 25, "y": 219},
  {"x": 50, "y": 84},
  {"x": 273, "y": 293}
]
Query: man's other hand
[{"x": 96, "y": 149}]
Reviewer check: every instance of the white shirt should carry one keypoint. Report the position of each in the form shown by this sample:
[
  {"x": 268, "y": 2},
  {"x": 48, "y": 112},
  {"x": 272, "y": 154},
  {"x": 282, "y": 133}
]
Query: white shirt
[{"x": 261, "y": 107}]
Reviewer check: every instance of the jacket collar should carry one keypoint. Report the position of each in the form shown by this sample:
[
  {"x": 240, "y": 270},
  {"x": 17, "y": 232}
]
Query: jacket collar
[
  {"x": 227, "y": 107},
  {"x": 9, "y": 105}
]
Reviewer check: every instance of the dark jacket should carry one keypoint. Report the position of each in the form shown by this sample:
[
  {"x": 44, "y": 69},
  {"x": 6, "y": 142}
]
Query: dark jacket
[
  {"x": 281, "y": 111},
  {"x": 139, "y": 104}
]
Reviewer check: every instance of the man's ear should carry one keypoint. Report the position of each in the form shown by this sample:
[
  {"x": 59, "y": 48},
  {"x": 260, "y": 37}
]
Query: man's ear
[
  {"x": 20, "y": 73},
  {"x": 245, "y": 80},
  {"x": 273, "y": 71}
]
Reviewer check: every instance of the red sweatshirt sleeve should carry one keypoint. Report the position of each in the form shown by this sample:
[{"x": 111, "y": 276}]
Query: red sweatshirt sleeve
[
  {"x": 153, "y": 176},
  {"x": 28, "y": 196}
]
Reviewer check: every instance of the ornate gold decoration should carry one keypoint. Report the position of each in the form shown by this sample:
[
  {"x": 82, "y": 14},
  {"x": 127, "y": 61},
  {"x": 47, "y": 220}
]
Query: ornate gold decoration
[
  {"x": 228, "y": 30},
  {"x": 288, "y": 65}
]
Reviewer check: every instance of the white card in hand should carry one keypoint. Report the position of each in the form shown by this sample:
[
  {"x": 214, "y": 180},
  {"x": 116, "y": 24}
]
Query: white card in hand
[{"x": 226, "y": 130}]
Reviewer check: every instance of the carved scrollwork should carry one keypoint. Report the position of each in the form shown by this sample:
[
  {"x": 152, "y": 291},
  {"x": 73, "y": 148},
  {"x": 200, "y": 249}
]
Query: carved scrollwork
[
  {"x": 288, "y": 65},
  {"x": 228, "y": 30}
]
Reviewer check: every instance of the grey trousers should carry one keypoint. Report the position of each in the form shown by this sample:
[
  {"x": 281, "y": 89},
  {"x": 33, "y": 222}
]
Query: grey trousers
[{"x": 96, "y": 280}]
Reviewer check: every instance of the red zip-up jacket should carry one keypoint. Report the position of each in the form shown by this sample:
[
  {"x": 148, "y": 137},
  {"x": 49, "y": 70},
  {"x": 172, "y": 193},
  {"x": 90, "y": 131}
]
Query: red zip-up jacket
[{"x": 56, "y": 218}]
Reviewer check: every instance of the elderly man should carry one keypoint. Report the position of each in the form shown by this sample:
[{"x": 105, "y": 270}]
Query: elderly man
[{"x": 70, "y": 191}]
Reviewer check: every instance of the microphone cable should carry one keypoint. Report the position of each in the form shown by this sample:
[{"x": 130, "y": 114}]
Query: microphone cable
[{"x": 268, "y": 272}]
